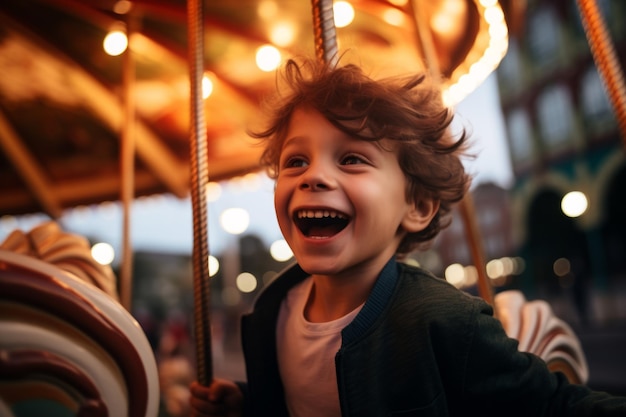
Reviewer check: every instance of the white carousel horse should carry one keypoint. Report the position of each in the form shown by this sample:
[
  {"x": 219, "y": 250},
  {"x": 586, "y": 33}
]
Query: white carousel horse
[
  {"x": 67, "y": 347},
  {"x": 536, "y": 328}
]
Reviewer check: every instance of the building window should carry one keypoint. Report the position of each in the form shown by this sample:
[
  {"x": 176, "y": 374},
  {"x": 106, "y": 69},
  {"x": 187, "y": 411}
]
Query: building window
[
  {"x": 520, "y": 135},
  {"x": 510, "y": 69},
  {"x": 543, "y": 37},
  {"x": 556, "y": 116},
  {"x": 597, "y": 110}
]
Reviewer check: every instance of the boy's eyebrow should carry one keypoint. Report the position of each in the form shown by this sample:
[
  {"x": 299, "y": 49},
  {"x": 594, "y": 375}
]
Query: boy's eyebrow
[
  {"x": 294, "y": 144},
  {"x": 291, "y": 140}
]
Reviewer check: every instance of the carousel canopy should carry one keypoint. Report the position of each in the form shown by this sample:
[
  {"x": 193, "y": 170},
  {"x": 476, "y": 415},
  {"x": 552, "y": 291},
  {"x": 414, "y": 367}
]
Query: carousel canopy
[{"x": 63, "y": 99}]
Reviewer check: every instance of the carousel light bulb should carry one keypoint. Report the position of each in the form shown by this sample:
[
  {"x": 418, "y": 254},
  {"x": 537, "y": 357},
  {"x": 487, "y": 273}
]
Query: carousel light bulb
[
  {"x": 115, "y": 42},
  {"x": 343, "y": 13},
  {"x": 283, "y": 33},
  {"x": 122, "y": 6},
  {"x": 268, "y": 58},
  {"x": 394, "y": 17}
]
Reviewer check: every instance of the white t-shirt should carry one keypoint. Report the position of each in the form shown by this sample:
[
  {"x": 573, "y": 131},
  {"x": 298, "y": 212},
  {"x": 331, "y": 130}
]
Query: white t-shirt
[{"x": 306, "y": 356}]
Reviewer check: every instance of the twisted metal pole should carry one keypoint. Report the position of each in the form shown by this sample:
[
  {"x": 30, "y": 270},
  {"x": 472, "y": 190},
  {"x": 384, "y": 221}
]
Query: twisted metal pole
[
  {"x": 466, "y": 206},
  {"x": 605, "y": 58},
  {"x": 127, "y": 165},
  {"x": 325, "y": 35},
  {"x": 199, "y": 179}
]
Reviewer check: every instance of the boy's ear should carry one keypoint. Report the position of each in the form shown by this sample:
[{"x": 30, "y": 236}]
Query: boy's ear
[{"x": 419, "y": 215}]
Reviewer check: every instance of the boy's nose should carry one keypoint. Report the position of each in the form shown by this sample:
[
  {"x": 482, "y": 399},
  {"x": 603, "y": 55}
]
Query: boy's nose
[
  {"x": 313, "y": 186},
  {"x": 316, "y": 179}
]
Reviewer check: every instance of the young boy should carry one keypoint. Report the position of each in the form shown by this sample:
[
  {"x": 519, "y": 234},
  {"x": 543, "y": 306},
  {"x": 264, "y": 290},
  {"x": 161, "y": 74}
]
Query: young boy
[{"x": 366, "y": 171}]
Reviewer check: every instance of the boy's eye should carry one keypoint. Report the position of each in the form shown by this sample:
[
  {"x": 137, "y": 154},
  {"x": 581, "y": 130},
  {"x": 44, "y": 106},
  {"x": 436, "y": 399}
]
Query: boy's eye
[
  {"x": 294, "y": 163},
  {"x": 352, "y": 160}
]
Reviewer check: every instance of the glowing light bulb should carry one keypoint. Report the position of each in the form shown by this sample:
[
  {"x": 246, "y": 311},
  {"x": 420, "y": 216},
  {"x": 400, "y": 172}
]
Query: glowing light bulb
[{"x": 115, "y": 42}]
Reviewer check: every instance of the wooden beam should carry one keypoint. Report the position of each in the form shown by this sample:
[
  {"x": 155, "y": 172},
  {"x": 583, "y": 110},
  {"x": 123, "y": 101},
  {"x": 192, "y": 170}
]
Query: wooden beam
[
  {"x": 77, "y": 191},
  {"x": 28, "y": 168},
  {"x": 149, "y": 147}
]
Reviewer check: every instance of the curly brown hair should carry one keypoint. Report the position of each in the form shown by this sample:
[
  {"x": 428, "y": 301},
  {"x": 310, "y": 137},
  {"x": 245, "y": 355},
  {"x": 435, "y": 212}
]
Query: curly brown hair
[{"x": 407, "y": 110}]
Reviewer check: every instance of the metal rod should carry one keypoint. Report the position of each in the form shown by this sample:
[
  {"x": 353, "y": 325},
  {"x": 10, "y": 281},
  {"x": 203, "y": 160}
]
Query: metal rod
[
  {"x": 425, "y": 41},
  {"x": 127, "y": 162},
  {"x": 466, "y": 206},
  {"x": 325, "y": 35},
  {"x": 472, "y": 234},
  {"x": 199, "y": 180},
  {"x": 605, "y": 58}
]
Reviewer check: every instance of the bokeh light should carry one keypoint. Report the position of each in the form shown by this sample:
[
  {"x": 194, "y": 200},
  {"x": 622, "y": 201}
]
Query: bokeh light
[
  {"x": 455, "y": 274},
  {"x": 235, "y": 220},
  {"x": 280, "y": 250},
  {"x": 343, "y": 13},
  {"x": 246, "y": 282},
  {"x": 103, "y": 253},
  {"x": 574, "y": 204},
  {"x": 214, "y": 265},
  {"x": 115, "y": 42},
  {"x": 207, "y": 87},
  {"x": 268, "y": 58}
]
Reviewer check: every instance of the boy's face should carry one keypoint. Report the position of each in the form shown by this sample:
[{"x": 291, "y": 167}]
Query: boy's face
[{"x": 340, "y": 201}]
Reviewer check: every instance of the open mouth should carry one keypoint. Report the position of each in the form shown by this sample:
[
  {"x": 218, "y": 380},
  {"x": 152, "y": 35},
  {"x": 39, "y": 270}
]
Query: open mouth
[{"x": 320, "y": 223}]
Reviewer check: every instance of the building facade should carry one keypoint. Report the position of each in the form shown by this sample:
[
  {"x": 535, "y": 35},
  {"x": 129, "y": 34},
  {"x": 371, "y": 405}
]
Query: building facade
[{"x": 563, "y": 136}]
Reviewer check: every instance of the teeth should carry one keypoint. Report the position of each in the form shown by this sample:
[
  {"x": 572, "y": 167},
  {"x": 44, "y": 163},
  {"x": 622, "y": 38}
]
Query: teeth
[{"x": 319, "y": 214}]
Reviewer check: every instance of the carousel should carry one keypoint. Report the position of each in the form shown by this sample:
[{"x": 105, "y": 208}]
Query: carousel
[{"x": 168, "y": 112}]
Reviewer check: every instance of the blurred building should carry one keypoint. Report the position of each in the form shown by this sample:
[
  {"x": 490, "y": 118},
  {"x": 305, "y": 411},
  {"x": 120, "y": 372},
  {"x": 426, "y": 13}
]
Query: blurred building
[
  {"x": 493, "y": 217},
  {"x": 563, "y": 136}
]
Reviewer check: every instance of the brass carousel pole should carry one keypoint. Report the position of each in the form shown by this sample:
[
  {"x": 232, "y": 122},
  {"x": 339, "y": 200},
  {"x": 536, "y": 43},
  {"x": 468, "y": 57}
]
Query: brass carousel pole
[
  {"x": 324, "y": 32},
  {"x": 466, "y": 206},
  {"x": 605, "y": 58},
  {"x": 127, "y": 162},
  {"x": 472, "y": 233},
  {"x": 199, "y": 180}
]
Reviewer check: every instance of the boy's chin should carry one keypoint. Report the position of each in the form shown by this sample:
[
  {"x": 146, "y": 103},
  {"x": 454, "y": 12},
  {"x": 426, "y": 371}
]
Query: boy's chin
[{"x": 317, "y": 267}]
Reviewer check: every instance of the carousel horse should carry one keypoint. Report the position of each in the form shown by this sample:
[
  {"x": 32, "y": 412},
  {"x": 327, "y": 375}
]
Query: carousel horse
[
  {"x": 536, "y": 328},
  {"x": 67, "y": 347}
]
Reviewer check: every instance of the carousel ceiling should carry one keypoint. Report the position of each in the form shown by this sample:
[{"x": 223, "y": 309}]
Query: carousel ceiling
[{"x": 63, "y": 99}]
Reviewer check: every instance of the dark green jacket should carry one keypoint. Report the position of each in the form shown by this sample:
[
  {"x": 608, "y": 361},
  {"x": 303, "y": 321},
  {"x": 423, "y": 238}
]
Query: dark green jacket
[{"x": 419, "y": 347}]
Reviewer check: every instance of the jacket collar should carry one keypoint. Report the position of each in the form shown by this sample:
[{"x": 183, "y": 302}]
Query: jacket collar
[
  {"x": 374, "y": 305},
  {"x": 373, "y": 308}
]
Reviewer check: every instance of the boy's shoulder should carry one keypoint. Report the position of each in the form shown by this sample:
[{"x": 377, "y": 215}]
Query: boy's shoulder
[
  {"x": 422, "y": 289},
  {"x": 418, "y": 276}
]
